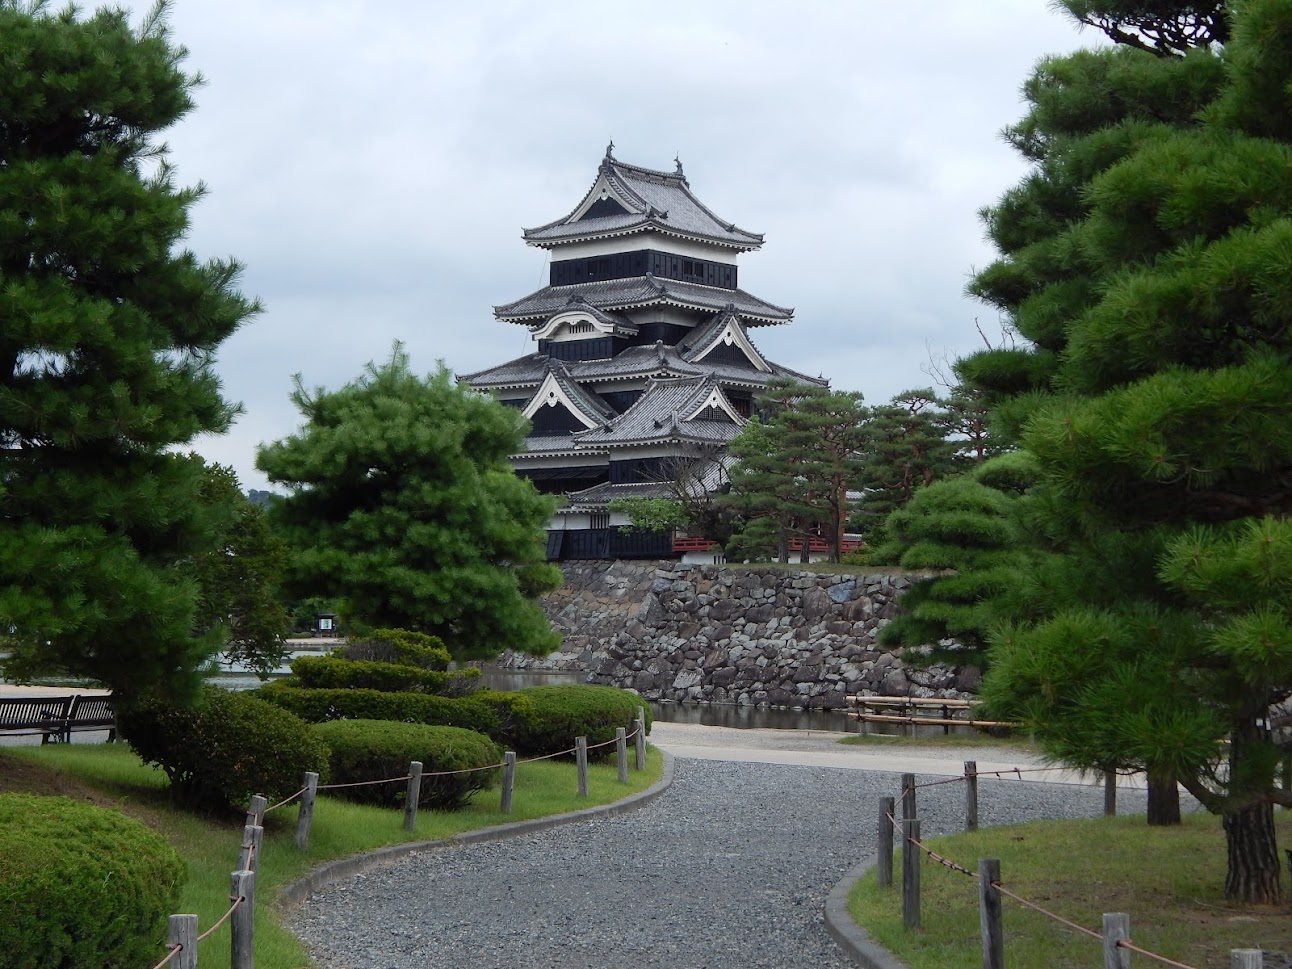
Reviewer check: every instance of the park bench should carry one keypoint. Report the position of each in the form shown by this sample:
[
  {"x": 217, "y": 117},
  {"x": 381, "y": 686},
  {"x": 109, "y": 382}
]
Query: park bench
[{"x": 56, "y": 718}]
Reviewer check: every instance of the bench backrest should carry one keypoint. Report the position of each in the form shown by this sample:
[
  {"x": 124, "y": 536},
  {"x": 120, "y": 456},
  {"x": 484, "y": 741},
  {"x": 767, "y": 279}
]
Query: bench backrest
[
  {"x": 33, "y": 711},
  {"x": 91, "y": 710}
]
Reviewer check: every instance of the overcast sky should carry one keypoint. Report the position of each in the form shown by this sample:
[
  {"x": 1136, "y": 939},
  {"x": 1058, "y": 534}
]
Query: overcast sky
[{"x": 372, "y": 165}]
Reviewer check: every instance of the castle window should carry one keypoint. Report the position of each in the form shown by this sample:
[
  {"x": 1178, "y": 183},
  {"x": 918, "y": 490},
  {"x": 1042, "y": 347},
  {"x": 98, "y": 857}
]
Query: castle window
[{"x": 600, "y": 519}]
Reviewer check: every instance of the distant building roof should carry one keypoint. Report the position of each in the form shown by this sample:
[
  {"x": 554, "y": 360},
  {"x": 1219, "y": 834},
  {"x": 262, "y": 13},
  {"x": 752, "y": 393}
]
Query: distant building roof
[
  {"x": 692, "y": 409},
  {"x": 598, "y": 496},
  {"x": 637, "y": 292},
  {"x": 657, "y": 360},
  {"x": 626, "y": 199}
]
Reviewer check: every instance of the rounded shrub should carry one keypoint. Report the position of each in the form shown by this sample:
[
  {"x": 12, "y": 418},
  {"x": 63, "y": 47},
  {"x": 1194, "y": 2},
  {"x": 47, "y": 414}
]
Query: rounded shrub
[
  {"x": 401, "y": 646},
  {"x": 81, "y": 886},
  {"x": 551, "y": 717},
  {"x": 317, "y": 706},
  {"x": 335, "y": 673},
  {"x": 224, "y": 749},
  {"x": 365, "y": 750}
]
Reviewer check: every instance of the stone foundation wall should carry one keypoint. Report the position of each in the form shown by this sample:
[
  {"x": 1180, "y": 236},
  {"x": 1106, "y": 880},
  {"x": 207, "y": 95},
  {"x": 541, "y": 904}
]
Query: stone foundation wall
[{"x": 738, "y": 634}]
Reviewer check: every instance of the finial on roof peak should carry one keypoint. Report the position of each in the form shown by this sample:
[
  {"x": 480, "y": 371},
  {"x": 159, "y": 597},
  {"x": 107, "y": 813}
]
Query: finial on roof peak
[
  {"x": 678, "y": 162},
  {"x": 610, "y": 148}
]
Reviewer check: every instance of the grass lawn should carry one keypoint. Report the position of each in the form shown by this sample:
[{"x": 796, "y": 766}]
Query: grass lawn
[
  {"x": 112, "y": 776},
  {"x": 1168, "y": 880}
]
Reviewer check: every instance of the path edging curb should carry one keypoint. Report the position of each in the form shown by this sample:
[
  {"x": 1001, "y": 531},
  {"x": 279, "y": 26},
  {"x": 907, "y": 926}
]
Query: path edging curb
[
  {"x": 850, "y": 936},
  {"x": 334, "y": 871}
]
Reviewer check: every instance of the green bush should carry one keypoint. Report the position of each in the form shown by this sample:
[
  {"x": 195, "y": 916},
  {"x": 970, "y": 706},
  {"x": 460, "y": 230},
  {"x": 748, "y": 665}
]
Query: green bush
[
  {"x": 81, "y": 886},
  {"x": 226, "y": 748},
  {"x": 317, "y": 706},
  {"x": 551, "y": 717},
  {"x": 400, "y": 646},
  {"x": 364, "y": 750},
  {"x": 337, "y": 673}
]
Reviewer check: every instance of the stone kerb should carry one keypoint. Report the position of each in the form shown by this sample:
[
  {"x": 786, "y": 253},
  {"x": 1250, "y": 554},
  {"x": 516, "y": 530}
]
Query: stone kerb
[{"x": 744, "y": 635}]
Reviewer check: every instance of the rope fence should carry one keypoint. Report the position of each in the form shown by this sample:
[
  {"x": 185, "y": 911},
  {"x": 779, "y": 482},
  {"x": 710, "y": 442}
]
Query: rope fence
[
  {"x": 182, "y": 936},
  {"x": 1115, "y": 936}
]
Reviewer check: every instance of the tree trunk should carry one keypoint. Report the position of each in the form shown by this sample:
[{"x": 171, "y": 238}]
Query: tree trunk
[
  {"x": 1253, "y": 874},
  {"x": 1163, "y": 799},
  {"x": 1253, "y": 855}
]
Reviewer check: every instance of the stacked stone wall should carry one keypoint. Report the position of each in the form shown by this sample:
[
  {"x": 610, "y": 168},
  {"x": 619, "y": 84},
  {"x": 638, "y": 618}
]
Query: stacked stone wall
[{"x": 748, "y": 635}]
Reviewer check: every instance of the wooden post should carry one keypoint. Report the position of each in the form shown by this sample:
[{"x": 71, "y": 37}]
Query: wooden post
[
  {"x": 1116, "y": 929},
  {"x": 908, "y": 795},
  {"x": 508, "y": 780},
  {"x": 989, "y": 914},
  {"x": 181, "y": 930},
  {"x": 621, "y": 753},
  {"x": 581, "y": 759},
  {"x": 884, "y": 844},
  {"x": 242, "y": 953},
  {"x": 639, "y": 739},
  {"x": 1110, "y": 793},
  {"x": 1246, "y": 959},
  {"x": 910, "y": 873},
  {"x": 256, "y": 810},
  {"x": 414, "y": 794},
  {"x": 249, "y": 850},
  {"x": 971, "y": 795},
  {"x": 306, "y": 811}
]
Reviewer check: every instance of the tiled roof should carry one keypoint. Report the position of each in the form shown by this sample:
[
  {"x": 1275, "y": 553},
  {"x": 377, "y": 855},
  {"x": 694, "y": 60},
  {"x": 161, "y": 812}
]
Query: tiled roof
[
  {"x": 602, "y": 494},
  {"x": 661, "y": 201},
  {"x": 659, "y": 414},
  {"x": 585, "y": 400},
  {"x": 648, "y": 361},
  {"x": 637, "y": 292},
  {"x": 552, "y": 445}
]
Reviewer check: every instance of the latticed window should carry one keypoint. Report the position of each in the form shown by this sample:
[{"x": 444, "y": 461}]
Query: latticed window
[{"x": 600, "y": 519}]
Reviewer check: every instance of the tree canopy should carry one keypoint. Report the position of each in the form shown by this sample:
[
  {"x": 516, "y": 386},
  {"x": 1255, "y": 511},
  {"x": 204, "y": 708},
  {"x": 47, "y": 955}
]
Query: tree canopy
[
  {"x": 108, "y": 329},
  {"x": 1145, "y": 257},
  {"x": 401, "y": 503}
]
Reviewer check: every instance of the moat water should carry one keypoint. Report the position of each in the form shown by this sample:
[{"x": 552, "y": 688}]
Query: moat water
[{"x": 709, "y": 714}]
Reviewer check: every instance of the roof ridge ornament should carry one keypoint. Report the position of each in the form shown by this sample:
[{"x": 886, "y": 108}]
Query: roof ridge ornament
[{"x": 677, "y": 160}]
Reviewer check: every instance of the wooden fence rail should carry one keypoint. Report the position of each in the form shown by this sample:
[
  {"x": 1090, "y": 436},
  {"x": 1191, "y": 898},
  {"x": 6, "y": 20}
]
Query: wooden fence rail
[{"x": 182, "y": 936}]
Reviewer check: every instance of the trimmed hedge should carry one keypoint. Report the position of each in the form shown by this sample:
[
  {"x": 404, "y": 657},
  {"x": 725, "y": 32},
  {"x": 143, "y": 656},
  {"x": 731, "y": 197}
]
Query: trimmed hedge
[
  {"x": 551, "y": 717},
  {"x": 364, "y": 750},
  {"x": 534, "y": 721},
  {"x": 81, "y": 886},
  {"x": 400, "y": 646},
  {"x": 336, "y": 673},
  {"x": 317, "y": 706},
  {"x": 226, "y": 748}
]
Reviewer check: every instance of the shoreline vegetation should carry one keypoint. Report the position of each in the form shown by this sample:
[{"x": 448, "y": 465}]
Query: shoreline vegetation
[{"x": 111, "y": 776}]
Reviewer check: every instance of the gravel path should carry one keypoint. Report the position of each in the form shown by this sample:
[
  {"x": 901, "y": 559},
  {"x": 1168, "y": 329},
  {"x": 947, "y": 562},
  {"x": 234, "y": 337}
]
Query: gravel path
[{"x": 729, "y": 868}]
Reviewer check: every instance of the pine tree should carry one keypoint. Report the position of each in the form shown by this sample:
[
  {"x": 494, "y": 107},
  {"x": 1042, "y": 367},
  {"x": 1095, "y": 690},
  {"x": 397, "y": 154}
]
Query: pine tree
[
  {"x": 108, "y": 330},
  {"x": 1146, "y": 258},
  {"x": 402, "y": 505}
]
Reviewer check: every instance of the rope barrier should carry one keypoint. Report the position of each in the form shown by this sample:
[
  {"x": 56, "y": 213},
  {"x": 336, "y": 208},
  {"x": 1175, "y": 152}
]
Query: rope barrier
[
  {"x": 225, "y": 917},
  {"x": 1127, "y": 944},
  {"x": 388, "y": 780},
  {"x": 944, "y": 861},
  {"x": 559, "y": 753},
  {"x": 286, "y": 800},
  {"x": 464, "y": 770},
  {"x": 1058, "y": 918},
  {"x": 175, "y": 949},
  {"x": 954, "y": 866}
]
